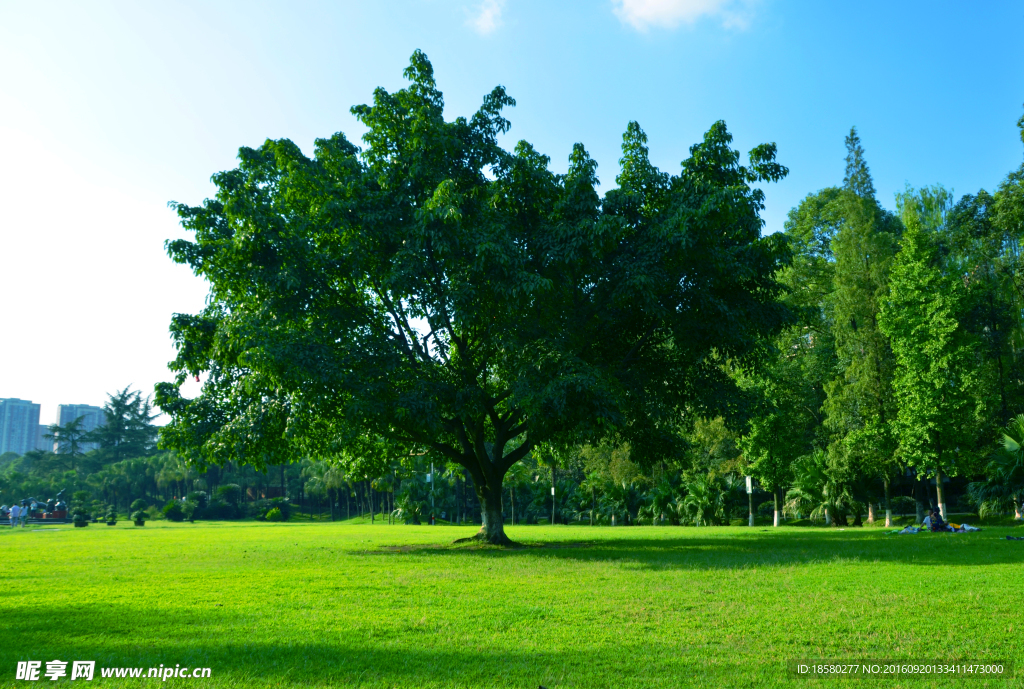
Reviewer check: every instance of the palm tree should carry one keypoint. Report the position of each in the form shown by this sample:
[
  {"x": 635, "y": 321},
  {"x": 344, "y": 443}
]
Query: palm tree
[
  {"x": 816, "y": 490},
  {"x": 586, "y": 500},
  {"x": 412, "y": 501},
  {"x": 312, "y": 474},
  {"x": 704, "y": 502},
  {"x": 176, "y": 472},
  {"x": 659, "y": 499},
  {"x": 735, "y": 487},
  {"x": 1004, "y": 483},
  {"x": 810, "y": 479},
  {"x": 621, "y": 501},
  {"x": 325, "y": 479}
]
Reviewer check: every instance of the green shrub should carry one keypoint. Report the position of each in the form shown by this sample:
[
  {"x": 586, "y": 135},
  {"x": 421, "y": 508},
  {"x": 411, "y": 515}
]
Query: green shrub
[
  {"x": 901, "y": 505},
  {"x": 282, "y": 505},
  {"x": 256, "y": 509},
  {"x": 965, "y": 504},
  {"x": 274, "y": 515},
  {"x": 219, "y": 509},
  {"x": 139, "y": 504},
  {"x": 230, "y": 493},
  {"x": 139, "y": 516},
  {"x": 173, "y": 511}
]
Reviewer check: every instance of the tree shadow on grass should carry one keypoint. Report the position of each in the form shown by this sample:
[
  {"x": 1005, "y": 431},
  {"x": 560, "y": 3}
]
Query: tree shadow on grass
[
  {"x": 752, "y": 549},
  {"x": 390, "y": 662}
]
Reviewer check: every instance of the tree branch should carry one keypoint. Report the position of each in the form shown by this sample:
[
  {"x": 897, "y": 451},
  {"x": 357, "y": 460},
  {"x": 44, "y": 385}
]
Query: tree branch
[
  {"x": 636, "y": 347},
  {"x": 514, "y": 456},
  {"x": 459, "y": 342},
  {"x": 405, "y": 330}
]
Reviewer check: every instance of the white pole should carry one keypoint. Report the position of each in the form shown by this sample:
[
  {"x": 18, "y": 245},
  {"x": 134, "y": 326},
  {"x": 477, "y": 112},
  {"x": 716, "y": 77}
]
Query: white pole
[{"x": 750, "y": 499}]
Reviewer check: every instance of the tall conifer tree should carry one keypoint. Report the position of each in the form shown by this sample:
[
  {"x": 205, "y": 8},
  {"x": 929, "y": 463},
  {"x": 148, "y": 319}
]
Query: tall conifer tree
[{"x": 859, "y": 402}]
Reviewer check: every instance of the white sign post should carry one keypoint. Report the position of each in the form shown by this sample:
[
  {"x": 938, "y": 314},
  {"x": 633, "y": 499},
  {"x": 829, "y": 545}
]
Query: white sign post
[
  {"x": 552, "y": 505},
  {"x": 750, "y": 499}
]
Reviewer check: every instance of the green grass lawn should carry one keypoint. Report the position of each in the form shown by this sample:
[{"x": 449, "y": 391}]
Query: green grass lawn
[{"x": 339, "y": 605}]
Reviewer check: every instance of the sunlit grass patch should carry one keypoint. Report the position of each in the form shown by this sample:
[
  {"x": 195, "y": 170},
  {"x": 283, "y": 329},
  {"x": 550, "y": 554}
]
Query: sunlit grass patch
[{"x": 321, "y": 604}]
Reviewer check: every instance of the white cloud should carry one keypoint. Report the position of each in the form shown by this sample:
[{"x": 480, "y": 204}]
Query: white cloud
[
  {"x": 487, "y": 16},
  {"x": 668, "y": 14}
]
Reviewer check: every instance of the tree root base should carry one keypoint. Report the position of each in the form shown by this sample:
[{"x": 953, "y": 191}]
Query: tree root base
[{"x": 489, "y": 539}]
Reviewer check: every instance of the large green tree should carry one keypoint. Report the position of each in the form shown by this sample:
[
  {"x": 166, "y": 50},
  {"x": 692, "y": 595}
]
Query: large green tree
[
  {"x": 68, "y": 439},
  {"x": 783, "y": 414},
  {"x": 988, "y": 258},
  {"x": 860, "y": 407},
  {"x": 128, "y": 429},
  {"x": 437, "y": 290},
  {"x": 935, "y": 369}
]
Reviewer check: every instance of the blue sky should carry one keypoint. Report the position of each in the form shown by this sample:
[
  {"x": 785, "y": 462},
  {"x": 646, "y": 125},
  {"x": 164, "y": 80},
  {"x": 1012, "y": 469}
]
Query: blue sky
[{"x": 109, "y": 110}]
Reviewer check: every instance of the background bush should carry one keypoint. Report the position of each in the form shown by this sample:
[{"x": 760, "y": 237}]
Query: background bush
[{"x": 173, "y": 511}]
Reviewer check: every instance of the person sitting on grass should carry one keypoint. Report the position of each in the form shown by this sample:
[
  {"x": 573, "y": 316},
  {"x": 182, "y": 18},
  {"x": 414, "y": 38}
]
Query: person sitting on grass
[{"x": 937, "y": 522}]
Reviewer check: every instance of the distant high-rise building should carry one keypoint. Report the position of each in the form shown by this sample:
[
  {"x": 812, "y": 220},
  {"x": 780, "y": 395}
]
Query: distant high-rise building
[
  {"x": 19, "y": 425},
  {"x": 93, "y": 418},
  {"x": 41, "y": 442}
]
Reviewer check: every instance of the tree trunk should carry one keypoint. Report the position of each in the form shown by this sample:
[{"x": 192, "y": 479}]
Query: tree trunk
[
  {"x": 750, "y": 500},
  {"x": 1016, "y": 509},
  {"x": 888, "y": 504},
  {"x": 920, "y": 498},
  {"x": 775, "y": 498},
  {"x": 871, "y": 513},
  {"x": 939, "y": 494},
  {"x": 492, "y": 526},
  {"x": 828, "y": 517}
]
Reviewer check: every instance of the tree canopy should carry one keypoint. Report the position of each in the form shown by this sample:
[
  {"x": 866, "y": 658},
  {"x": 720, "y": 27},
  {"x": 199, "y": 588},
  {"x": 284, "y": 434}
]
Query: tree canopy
[{"x": 436, "y": 290}]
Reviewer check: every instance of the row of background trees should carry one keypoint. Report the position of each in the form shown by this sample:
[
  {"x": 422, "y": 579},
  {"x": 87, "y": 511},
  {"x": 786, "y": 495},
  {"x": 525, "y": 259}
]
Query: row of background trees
[
  {"x": 897, "y": 382},
  {"x": 905, "y": 365}
]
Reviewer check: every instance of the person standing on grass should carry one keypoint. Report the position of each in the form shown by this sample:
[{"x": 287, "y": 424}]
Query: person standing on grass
[
  {"x": 15, "y": 514},
  {"x": 24, "y": 514}
]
